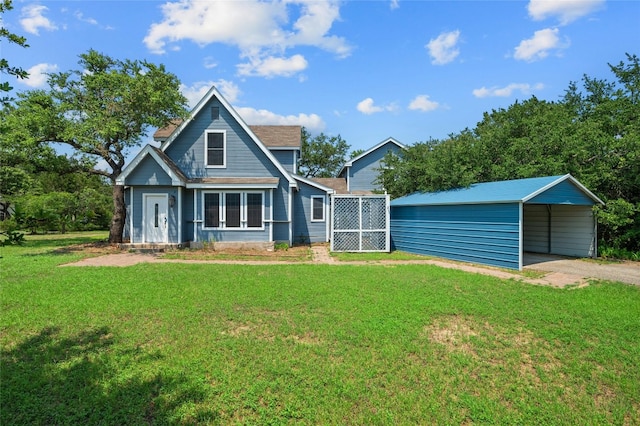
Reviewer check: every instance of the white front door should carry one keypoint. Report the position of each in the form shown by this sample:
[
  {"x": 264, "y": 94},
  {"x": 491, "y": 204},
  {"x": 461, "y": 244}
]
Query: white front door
[{"x": 156, "y": 218}]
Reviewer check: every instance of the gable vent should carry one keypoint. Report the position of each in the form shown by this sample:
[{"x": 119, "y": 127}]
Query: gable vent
[{"x": 215, "y": 112}]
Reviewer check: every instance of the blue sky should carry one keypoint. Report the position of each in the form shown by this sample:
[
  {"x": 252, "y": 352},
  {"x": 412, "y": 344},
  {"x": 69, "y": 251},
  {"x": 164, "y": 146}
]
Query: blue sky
[{"x": 366, "y": 70}]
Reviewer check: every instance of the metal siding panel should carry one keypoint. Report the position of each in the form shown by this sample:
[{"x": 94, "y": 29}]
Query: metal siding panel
[
  {"x": 536, "y": 228},
  {"x": 487, "y": 234},
  {"x": 572, "y": 231},
  {"x": 148, "y": 172},
  {"x": 563, "y": 193}
]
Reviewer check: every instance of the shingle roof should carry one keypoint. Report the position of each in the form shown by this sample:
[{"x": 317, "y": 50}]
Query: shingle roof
[
  {"x": 279, "y": 136},
  {"x": 337, "y": 184},
  {"x": 489, "y": 192}
]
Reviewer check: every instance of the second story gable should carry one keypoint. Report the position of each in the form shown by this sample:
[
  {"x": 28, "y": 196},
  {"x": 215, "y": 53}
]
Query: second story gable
[
  {"x": 362, "y": 171},
  {"x": 216, "y": 143}
]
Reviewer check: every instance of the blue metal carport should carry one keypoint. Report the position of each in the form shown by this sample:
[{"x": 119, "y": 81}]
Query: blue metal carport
[{"x": 494, "y": 223}]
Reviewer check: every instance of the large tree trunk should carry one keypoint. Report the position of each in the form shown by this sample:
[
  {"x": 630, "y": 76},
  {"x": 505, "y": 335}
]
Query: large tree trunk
[{"x": 119, "y": 215}]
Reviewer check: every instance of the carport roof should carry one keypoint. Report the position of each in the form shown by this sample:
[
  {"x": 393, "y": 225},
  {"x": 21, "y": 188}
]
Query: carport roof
[{"x": 508, "y": 191}]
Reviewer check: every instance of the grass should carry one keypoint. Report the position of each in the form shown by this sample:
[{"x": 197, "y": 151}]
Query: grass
[{"x": 308, "y": 344}]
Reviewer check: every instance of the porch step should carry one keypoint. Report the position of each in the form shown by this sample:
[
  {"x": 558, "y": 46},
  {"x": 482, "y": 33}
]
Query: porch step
[{"x": 149, "y": 248}]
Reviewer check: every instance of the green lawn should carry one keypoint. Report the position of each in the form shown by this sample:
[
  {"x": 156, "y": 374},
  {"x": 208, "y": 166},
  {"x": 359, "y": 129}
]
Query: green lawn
[{"x": 309, "y": 344}]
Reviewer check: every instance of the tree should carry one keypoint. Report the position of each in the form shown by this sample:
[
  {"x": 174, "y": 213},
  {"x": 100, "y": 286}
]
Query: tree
[
  {"x": 5, "y": 68},
  {"x": 101, "y": 110},
  {"x": 593, "y": 133},
  {"x": 322, "y": 155}
]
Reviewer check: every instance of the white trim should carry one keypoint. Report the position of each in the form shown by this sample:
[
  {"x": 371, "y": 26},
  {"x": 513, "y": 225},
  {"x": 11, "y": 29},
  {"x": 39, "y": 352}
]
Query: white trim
[
  {"x": 222, "y": 212},
  {"x": 195, "y": 215},
  {"x": 178, "y": 206},
  {"x": 520, "y": 234},
  {"x": 271, "y": 215},
  {"x": 149, "y": 150},
  {"x": 145, "y": 196},
  {"x": 238, "y": 186},
  {"x": 328, "y": 214},
  {"x": 213, "y": 92},
  {"x": 324, "y": 207},
  {"x": 370, "y": 150},
  {"x": 315, "y": 184},
  {"x": 131, "y": 213},
  {"x": 289, "y": 216},
  {"x": 208, "y": 132}
]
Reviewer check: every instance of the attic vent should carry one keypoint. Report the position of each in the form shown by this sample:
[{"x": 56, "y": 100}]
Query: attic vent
[{"x": 215, "y": 112}]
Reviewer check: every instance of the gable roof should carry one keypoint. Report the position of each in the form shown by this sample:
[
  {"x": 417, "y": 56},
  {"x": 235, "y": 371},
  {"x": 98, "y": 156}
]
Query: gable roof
[
  {"x": 508, "y": 191},
  {"x": 315, "y": 183},
  {"x": 370, "y": 150},
  {"x": 339, "y": 185},
  {"x": 213, "y": 92},
  {"x": 170, "y": 168},
  {"x": 279, "y": 136}
]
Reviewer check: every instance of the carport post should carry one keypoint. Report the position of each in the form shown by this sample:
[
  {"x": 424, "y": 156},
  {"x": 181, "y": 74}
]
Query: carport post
[{"x": 520, "y": 234}]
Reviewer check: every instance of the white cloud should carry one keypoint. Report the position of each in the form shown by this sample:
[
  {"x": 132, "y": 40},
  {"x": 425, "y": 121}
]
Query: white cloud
[
  {"x": 394, "y": 4},
  {"x": 506, "y": 91},
  {"x": 312, "y": 122},
  {"x": 196, "y": 91},
  {"x": 38, "y": 75},
  {"x": 443, "y": 48},
  {"x": 539, "y": 45},
  {"x": 272, "y": 66},
  {"x": 209, "y": 63},
  {"x": 368, "y": 107},
  {"x": 566, "y": 11},
  {"x": 80, "y": 17},
  {"x": 33, "y": 19},
  {"x": 260, "y": 29},
  {"x": 423, "y": 103}
]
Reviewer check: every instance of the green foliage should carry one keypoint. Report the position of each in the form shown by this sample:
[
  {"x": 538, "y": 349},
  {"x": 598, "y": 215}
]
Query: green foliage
[
  {"x": 593, "y": 133},
  {"x": 306, "y": 344},
  {"x": 101, "y": 110},
  {"x": 322, "y": 155},
  {"x": 5, "y": 68}
]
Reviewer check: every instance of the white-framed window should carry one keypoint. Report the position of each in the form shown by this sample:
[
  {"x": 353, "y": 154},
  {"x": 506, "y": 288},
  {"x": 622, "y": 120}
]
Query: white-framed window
[
  {"x": 215, "y": 148},
  {"x": 317, "y": 208},
  {"x": 233, "y": 209}
]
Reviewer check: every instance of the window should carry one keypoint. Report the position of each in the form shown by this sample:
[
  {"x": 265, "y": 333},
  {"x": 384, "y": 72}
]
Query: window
[
  {"x": 215, "y": 113},
  {"x": 254, "y": 210},
  {"x": 242, "y": 210},
  {"x": 211, "y": 210},
  {"x": 232, "y": 202},
  {"x": 215, "y": 149},
  {"x": 317, "y": 209}
]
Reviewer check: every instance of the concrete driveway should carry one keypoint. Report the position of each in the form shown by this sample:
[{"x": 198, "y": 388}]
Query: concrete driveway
[{"x": 626, "y": 272}]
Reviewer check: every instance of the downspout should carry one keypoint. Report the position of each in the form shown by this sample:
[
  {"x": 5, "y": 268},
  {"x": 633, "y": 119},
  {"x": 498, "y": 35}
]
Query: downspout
[
  {"x": 290, "y": 216},
  {"x": 271, "y": 214}
]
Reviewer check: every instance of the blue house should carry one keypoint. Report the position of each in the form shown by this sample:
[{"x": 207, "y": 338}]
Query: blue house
[
  {"x": 496, "y": 223},
  {"x": 215, "y": 178},
  {"x": 362, "y": 171}
]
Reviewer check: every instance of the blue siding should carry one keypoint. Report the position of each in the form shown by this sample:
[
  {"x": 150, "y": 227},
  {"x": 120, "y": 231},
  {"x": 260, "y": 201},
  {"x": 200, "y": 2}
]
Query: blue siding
[
  {"x": 304, "y": 229},
  {"x": 364, "y": 171},
  {"x": 138, "y": 208},
  {"x": 286, "y": 157},
  {"x": 563, "y": 193},
  {"x": 148, "y": 172},
  {"x": 487, "y": 234},
  {"x": 243, "y": 157}
]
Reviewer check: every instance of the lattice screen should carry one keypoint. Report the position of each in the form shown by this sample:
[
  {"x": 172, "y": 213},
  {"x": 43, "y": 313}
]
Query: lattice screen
[{"x": 360, "y": 223}]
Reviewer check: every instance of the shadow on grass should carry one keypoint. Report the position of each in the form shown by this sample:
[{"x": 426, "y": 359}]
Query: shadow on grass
[{"x": 49, "y": 379}]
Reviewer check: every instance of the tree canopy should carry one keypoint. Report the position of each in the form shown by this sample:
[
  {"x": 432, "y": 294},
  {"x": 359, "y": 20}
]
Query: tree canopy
[
  {"x": 101, "y": 110},
  {"x": 5, "y": 68},
  {"x": 591, "y": 132},
  {"x": 322, "y": 155}
]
